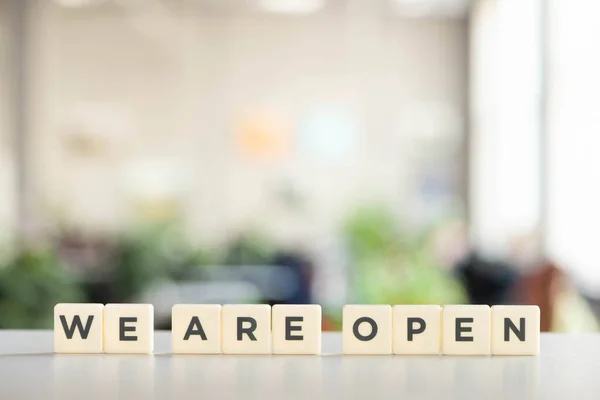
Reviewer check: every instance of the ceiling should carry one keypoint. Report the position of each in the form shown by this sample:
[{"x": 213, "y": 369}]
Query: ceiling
[{"x": 402, "y": 8}]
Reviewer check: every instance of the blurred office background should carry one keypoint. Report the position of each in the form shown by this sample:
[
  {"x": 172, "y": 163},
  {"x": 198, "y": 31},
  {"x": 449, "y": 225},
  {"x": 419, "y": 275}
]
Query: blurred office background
[{"x": 299, "y": 151}]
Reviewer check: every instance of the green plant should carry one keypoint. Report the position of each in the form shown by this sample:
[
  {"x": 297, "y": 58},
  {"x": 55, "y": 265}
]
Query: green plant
[
  {"x": 250, "y": 248},
  {"x": 391, "y": 266},
  {"x": 152, "y": 253},
  {"x": 31, "y": 283}
]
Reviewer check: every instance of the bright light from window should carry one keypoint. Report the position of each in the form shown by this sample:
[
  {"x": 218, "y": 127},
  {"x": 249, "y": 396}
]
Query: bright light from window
[
  {"x": 431, "y": 8},
  {"x": 574, "y": 161},
  {"x": 78, "y": 3},
  {"x": 505, "y": 172},
  {"x": 292, "y": 6}
]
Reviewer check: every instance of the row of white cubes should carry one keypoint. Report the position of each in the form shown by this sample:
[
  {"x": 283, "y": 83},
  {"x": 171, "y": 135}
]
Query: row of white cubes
[{"x": 296, "y": 329}]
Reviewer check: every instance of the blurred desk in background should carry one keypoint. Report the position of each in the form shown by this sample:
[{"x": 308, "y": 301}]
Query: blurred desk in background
[{"x": 566, "y": 368}]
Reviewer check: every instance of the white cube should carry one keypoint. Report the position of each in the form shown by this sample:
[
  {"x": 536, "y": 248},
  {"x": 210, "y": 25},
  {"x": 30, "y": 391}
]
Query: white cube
[
  {"x": 466, "y": 330},
  {"x": 78, "y": 328},
  {"x": 417, "y": 329},
  {"x": 515, "y": 330},
  {"x": 246, "y": 329},
  {"x": 367, "y": 329},
  {"x": 296, "y": 329},
  {"x": 196, "y": 328},
  {"x": 129, "y": 328}
]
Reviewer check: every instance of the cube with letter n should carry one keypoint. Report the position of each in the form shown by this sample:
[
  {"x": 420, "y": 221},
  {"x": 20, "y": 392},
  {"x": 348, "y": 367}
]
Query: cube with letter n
[{"x": 515, "y": 330}]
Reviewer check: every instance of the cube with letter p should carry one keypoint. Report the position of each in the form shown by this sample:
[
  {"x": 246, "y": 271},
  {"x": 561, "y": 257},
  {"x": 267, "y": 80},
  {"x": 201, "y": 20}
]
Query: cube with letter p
[{"x": 417, "y": 329}]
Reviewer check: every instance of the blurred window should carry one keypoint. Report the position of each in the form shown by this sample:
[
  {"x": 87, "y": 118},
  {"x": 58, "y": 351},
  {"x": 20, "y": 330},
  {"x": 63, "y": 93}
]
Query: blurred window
[
  {"x": 505, "y": 139},
  {"x": 574, "y": 140}
]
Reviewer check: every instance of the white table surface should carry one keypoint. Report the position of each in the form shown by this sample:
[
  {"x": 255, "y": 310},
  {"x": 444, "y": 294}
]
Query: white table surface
[{"x": 568, "y": 367}]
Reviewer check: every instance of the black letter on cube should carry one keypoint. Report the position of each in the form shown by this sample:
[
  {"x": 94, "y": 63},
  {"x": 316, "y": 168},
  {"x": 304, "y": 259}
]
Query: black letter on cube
[
  {"x": 509, "y": 326},
  {"x": 83, "y": 332},
  {"x": 249, "y": 331},
  {"x": 289, "y": 328},
  {"x": 195, "y": 328},
  {"x": 123, "y": 329},
  {"x": 411, "y": 330},
  {"x": 370, "y": 336},
  {"x": 460, "y": 329}
]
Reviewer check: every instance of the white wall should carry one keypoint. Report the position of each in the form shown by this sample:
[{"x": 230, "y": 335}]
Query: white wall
[
  {"x": 170, "y": 82},
  {"x": 7, "y": 218}
]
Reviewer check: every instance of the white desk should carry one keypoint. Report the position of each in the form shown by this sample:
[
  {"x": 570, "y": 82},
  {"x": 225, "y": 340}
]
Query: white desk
[{"x": 567, "y": 368}]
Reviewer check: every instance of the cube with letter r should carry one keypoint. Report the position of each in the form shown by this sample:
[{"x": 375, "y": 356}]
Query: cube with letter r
[
  {"x": 246, "y": 329},
  {"x": 78, "y": 328}
]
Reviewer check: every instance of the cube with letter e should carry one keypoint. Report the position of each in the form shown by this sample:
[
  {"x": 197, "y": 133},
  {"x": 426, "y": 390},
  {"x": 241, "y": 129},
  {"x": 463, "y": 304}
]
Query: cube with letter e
[
  {"x": 466, "y": 330},
  {"x": 129, "y": 328},
  {"x": 296, "y": 329}
]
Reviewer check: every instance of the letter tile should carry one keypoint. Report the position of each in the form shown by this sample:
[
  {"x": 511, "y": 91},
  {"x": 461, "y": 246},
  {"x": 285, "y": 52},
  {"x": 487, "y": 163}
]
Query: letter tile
[
  {"x": 515, "y": 330},
  {"x": 246, "y": 329},
  {"x": 78, "y": 328},
  {"x": 417, "y": 329},
  {"x": 367, "y": 329},
  {"x": 129, "y": 328},
  {"x": 196, "y": 328},
  {"x": 296, "y": 329},
  {"x": 466, "y": 330}
]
